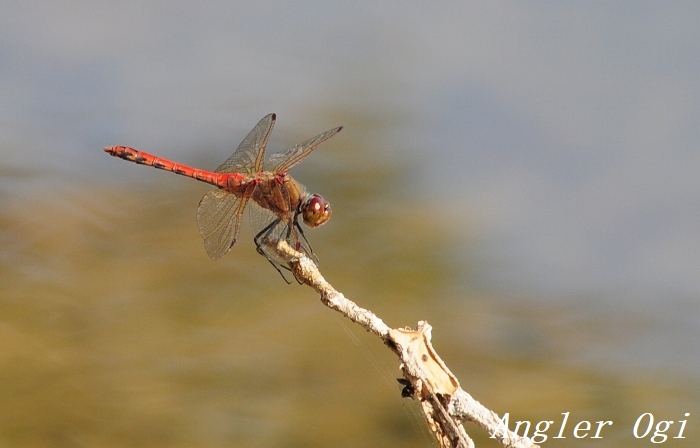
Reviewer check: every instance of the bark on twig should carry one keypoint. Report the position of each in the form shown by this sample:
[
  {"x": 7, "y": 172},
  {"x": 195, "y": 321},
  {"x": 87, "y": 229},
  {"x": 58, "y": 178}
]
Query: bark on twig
[{"x": 444, "y": 403}]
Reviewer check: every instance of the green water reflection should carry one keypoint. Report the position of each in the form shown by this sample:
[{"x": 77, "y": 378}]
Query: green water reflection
[{"x": 118, "y": 330}]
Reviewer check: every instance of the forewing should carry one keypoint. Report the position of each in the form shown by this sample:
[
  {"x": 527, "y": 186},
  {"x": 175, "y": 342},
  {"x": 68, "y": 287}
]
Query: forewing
[
  {"x": 219, "y": 218},
  {"x": 249, "y": 155},
  {"x": 285, "y": 161}
]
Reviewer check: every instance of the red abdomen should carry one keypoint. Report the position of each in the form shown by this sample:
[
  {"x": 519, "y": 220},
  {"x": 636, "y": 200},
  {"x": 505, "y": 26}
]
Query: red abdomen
[{"x": 221, "y": 180}]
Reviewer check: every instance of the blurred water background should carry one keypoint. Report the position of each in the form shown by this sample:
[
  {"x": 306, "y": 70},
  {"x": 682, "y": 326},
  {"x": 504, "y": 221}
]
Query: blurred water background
[{"x": 524, "y": 176}]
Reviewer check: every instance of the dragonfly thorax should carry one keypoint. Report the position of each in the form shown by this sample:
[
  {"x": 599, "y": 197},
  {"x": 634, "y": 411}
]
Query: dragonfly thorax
[{"x": 315, "y": 210}]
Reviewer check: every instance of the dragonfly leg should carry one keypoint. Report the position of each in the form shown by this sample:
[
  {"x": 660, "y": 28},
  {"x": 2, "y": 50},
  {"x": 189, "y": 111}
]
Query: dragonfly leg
[
  {"x": 263, "y": 235},
  {"x": 260, "y": 240},
  {"x": 277, "y": 267},
  {"x": 310, "y": 252}
]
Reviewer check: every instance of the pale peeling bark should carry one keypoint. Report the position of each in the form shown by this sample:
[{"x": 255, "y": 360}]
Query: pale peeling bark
[{"x": 426, "y": 377}]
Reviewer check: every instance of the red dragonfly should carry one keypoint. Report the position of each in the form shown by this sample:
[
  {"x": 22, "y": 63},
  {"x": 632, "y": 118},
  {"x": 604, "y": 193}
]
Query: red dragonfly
[{"x": 277, "y": 199}]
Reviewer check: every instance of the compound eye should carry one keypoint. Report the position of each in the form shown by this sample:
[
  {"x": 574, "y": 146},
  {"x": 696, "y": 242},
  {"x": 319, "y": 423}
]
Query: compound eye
[{"x": 316, "y": 211}]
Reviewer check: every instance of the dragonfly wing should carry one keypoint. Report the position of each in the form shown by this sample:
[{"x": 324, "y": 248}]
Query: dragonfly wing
[
  {"x": 219, "y": 218},
  {"x": 250, "y": 154},
  {"x": 285, "y": 161}
]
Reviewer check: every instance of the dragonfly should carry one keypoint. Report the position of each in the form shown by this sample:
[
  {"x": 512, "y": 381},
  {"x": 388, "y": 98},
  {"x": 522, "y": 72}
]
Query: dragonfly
[{"x": 276, "y": 200}]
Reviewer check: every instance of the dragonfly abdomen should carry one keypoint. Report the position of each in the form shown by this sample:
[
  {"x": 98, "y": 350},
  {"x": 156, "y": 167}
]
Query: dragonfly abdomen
[{"x": 220, "y": 180}]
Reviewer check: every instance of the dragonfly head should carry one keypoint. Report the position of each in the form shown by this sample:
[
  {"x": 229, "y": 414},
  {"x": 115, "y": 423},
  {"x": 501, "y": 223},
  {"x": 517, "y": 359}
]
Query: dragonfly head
[{"x": 315, "y": 210}]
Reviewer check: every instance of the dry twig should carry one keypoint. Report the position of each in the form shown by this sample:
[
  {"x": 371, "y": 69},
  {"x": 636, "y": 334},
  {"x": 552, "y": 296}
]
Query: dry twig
[{"x": 426, "y": 377}]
